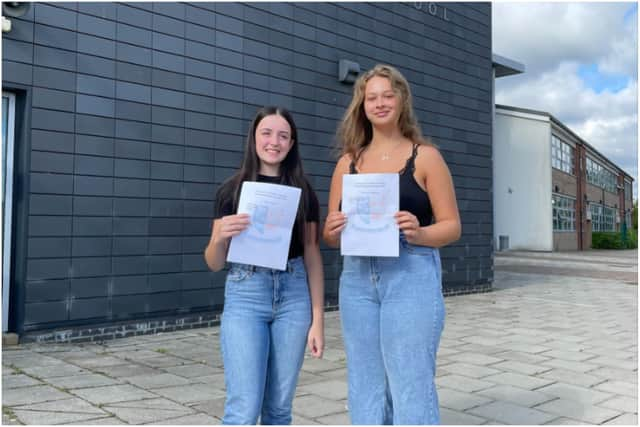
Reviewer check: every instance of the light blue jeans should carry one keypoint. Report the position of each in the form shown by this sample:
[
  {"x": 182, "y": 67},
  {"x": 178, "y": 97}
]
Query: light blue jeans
[
  {"x": 266, "y": 318},
  {"x": 392, "y": 314}
]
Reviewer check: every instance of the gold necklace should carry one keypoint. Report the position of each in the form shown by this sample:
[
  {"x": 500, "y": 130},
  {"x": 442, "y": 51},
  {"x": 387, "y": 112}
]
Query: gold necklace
[{"x": 387, "y": 155}]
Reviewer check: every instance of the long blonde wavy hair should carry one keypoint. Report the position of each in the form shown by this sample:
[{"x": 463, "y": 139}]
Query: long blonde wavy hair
[{"x": 355, "y": 131}]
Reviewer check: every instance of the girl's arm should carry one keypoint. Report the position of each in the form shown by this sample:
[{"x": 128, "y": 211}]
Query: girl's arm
[
  {"x": 222, "y": 231},
  {"x": 446, "y": 228},
  {"x": 313, "y": 264},
  {"x": 336, "y": 220}
]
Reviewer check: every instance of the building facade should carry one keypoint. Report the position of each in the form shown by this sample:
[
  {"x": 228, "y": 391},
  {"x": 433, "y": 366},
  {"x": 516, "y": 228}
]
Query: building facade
[
  {"x": 127, "y": 116},
  {"x": 551, "y": 188}
]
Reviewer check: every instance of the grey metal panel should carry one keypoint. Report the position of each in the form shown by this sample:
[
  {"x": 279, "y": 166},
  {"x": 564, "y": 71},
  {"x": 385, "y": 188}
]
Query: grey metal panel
[
  {"x": 92, "y": 206},
  {"x": 49, "y": 247},
  {"x": 89, "y": 287},
  {"x": 18, "y": 51},
  {"x": 96, "y": 46},
  {"x": 46, "y": 204},
  {"x": 16, "y": 72}
]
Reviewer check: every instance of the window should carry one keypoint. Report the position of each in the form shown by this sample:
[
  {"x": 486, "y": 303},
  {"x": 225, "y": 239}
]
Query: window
[
  {"x": 603, "y": 218},
  {"x": 562, "y": 155},
  {"x": 8, "y": 124},
  {"x": 627, "y": 191},
  {"x": 598, "y": 175},
  {"x": 564, "y": 213}
]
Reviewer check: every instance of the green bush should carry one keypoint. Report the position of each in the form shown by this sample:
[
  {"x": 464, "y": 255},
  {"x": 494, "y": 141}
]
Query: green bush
[{"x": 613, "y": 240}]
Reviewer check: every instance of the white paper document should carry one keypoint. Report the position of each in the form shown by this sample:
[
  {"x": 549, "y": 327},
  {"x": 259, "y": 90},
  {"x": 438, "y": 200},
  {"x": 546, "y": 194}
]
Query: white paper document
[
  {"x": 370, "y": 201},
  {"x": 272, "y": 209}
]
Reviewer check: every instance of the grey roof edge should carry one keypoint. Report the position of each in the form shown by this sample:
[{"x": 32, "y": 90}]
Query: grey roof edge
[
  {"x": 505, "y": 66},
  {"x": 566, "y": 129}
]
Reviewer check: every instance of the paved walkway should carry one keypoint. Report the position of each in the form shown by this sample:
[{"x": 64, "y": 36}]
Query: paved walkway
[{"x": 548, "y": 346}]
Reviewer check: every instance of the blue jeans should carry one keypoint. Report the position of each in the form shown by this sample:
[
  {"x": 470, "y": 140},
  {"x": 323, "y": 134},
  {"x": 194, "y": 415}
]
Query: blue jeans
[
  {"x": 392, "y": 314},
  {"x": 265, "y": 322}
]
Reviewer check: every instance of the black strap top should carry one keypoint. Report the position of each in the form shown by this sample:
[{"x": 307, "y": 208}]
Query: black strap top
[{"x": 412, "y": 197}]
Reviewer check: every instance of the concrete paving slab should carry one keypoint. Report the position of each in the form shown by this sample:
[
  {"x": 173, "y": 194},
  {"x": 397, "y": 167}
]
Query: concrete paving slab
[
  {"x": 193, "y": 370},
  {"x": 460, "y": 401},
  {"x": 586, "y": 413},
  {"x": 509, "y": 413},
  {"x": 145, "y": 415},
  {"x": 609, "y": 373},
  {"x": 565, "y": 421},
  {"x": 17, "y": 380},
  {"x": 82, "y": 381},
  {"x": 516, "y": 395},
  {"x": 521, "y": 367},
  {"x": 335, "y": 419},
  {"x": 621, "y": 403},
  {"x": 33, "y": 394},
  {"x": 190, "y": 393},
  {"x": 460, "y": 383},
  {"x": 127, "y": 370},
  {"x": 113, "y": 393},
  {"x": 105, "y": 421},
  {"x": 573, "y": 392},
  {"x": 51, "y": 371},
  {"x": 569, "y": 377},
  {"x": 625, "y": 419},
  {"x": 451, "y": 417},
  {"x": 214, "y": 407},
  {"x": 331, "y": 389},
  {"x": 157, "y": 381},
  {"x": 195, "y": 419},
  {"x": 619, "y": 387},
  {"x": 51, "y": 418},
  {"x": 74, "y": 404},
  {"x": 312, "y": 406},
  {"x": 518, "y": 380}
]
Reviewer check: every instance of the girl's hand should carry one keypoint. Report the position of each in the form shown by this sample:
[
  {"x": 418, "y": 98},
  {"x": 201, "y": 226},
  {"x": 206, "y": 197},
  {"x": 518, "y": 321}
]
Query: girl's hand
[
  {"x": 315, "y": 340},
  {"x": 231, "y": 225},
  {"x": 336, "y": 222},
  {"x": 409, "y": 224}
]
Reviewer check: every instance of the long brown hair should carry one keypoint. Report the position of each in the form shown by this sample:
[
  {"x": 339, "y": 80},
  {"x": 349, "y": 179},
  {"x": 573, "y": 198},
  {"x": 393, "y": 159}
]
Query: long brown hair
[
  {"x": 355, "y": 131},
  {"x": 291, "y": 172}
]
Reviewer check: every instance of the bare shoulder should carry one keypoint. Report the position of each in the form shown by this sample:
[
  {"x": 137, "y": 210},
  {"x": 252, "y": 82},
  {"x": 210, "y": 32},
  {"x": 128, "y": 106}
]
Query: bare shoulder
[
  {"x": 429, "y": 157},
  {"x": 343, "y": 163}
]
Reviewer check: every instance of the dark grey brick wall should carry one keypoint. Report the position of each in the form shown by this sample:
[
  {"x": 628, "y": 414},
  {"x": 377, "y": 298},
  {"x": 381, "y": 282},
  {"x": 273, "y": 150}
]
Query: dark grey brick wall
[{"x": 139, "y": 111}]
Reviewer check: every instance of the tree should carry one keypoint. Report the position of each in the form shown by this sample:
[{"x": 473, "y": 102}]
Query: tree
[{"x": 635, "y": 215}]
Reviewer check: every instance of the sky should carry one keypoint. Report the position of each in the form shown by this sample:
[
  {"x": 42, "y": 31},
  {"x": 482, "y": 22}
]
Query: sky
[{"x": 581, "y": 66}]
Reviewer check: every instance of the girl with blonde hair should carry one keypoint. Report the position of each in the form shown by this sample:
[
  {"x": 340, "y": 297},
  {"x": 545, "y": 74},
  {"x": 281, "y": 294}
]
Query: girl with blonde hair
[{"x": 392, "y": 310}]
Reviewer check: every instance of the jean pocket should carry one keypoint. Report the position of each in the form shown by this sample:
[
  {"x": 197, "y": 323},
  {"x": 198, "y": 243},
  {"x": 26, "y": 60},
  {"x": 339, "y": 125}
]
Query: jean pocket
[
  {"x": 238, "y": 274},
  {"x": 417, "y": 249}
]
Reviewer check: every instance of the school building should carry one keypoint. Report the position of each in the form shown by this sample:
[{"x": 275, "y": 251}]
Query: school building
[
  {"x": 120, "y": 120},
  {"x": 552, "y": 189}
]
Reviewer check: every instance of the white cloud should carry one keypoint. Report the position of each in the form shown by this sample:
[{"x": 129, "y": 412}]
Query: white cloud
[{"x": 553, "y": 40}]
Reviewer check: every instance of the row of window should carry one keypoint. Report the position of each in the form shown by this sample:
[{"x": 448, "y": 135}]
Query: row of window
[
  {"x": 603, "y": 218},
  {"x": 598, "y": 175},
  {"x": 562, "y": 158}
]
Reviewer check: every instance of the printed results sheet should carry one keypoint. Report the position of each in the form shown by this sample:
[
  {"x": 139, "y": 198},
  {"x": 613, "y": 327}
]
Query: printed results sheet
[
  {"x": 370, "y": 202},
  {"x": 272, "y": 209}
]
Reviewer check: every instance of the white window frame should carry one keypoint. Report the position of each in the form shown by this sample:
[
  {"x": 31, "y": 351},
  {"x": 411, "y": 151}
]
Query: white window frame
[
  {"x": 562, "y": 155},
  {"x": 563, "y": 214},
  {"x": 7, "y": 197}
]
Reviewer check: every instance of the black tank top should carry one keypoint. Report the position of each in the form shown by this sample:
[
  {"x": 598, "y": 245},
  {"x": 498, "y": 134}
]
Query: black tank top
[{"x": 412, "y": 197}]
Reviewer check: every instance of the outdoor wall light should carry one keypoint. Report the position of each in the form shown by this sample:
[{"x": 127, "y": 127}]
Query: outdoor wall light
[
  {"x": 348, "y": 71},
  {"x": 12, "y": 9}
]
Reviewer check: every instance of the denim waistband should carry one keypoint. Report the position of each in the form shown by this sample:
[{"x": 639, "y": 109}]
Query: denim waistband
[{"x": 292, "y": 265}]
